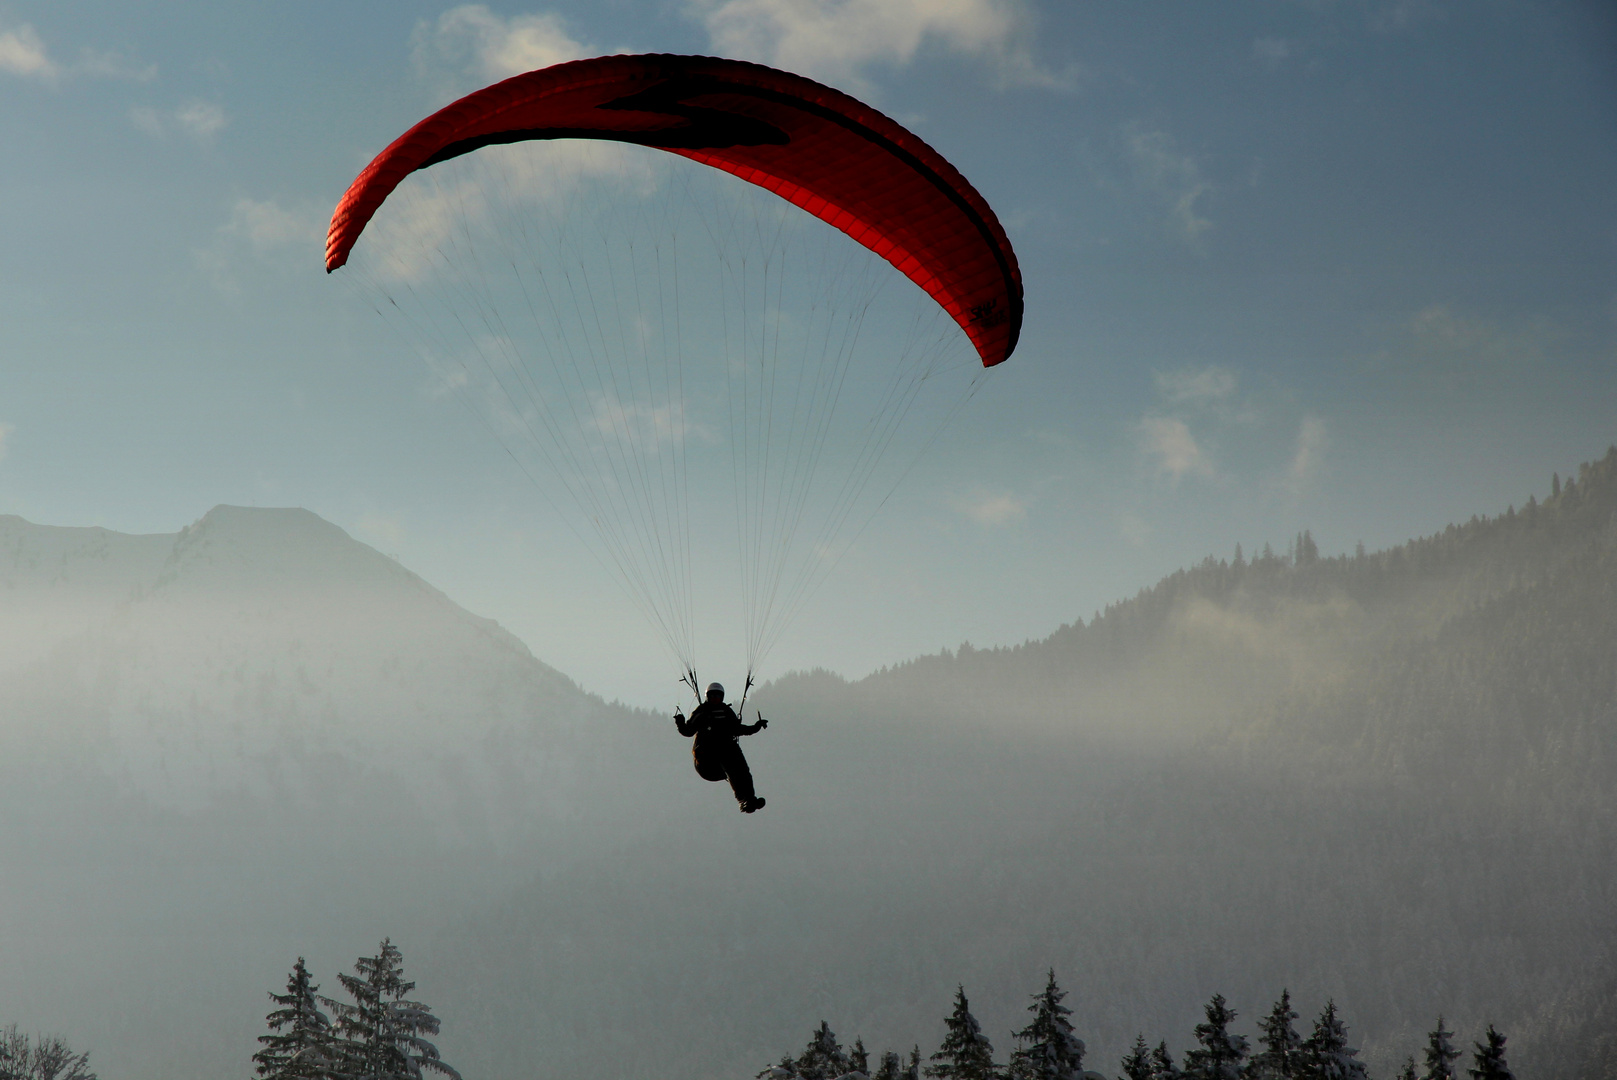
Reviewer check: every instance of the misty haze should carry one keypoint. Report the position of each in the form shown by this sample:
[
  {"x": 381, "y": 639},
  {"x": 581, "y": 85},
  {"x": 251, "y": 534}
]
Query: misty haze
[{"x": 1385, "y": 779}]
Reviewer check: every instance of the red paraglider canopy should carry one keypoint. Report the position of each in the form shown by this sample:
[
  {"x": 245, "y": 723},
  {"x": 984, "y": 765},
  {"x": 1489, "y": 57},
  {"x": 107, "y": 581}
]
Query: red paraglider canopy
[{"x": 828, "y": 153}]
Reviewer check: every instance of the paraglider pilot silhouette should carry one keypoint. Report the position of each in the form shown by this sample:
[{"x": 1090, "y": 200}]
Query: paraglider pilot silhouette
[{"x": 718, "y": 756}]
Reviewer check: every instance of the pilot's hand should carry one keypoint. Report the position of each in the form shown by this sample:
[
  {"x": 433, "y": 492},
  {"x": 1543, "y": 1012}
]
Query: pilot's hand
[
  {"x": 679, "y": 716},
  {"x": 762, "y": 723}
]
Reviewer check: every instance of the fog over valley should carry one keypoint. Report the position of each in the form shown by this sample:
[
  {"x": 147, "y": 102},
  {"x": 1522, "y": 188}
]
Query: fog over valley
[{"x": 1382, "y": 779}]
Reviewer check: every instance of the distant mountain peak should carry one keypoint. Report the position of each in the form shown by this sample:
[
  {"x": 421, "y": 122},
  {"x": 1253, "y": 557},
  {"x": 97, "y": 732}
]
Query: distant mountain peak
[
  {"x": 281, "y": 547},
  {"x": 258, "y": 518}
]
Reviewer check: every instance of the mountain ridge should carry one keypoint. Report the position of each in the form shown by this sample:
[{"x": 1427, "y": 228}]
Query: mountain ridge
[
  {"x": 1271, "y": 612},
  {"x": 267, "y": 613}
]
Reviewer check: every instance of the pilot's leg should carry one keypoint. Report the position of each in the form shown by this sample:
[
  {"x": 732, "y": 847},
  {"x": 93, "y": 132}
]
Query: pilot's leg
[{"x": 739, "y": 775}]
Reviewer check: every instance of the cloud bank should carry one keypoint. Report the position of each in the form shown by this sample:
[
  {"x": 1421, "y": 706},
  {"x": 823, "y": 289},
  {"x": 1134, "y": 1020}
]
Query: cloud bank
[
  {"x": 1195, "y": 386},
  {"x": 1310, "y": 453},
  {"x": 260, "y": 228},
  {"x": 1171, "y": 175},
  {"x": 1168, "y": 443},
  {"x": 23, "y": 54},
  {"x": 470, "y": 46},
  {"x": 199, "y": 120},
  {"x": 992, "y": 509},
  {"x": 836, "y": 40}
]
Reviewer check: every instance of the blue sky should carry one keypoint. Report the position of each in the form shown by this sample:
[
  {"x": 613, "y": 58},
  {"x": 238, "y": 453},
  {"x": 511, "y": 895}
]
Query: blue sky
[{"x": 1343, "y": 266}]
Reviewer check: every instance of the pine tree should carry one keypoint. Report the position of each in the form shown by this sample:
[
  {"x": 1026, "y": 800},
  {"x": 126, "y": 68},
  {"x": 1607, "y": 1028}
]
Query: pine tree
[
  {"x": 1281, "y": 1057},
  {"x": 1137, "y": 1064},
  {"x": 891, "y": 1068},
  {"x": 1307, "y": 549},
  {"x": 305, "y": 1049},
  {"x": 1162, "y": 1066},
  {"x": 912, "y": 1071},
  {"x": 1222, "y": 1054},
  {"x": 1409, "y": 1069},
  {"x": 1555, "y": 485},
  {"x": 1490, "y": 1059},
  {"x": 823, "y": 1057},
  {"x": 1050, "y": 1050},
  {"x": 859, "y": 1058},
  {"x": 966, "y": 1053},
  {"x": 1327, "y": 1054},
  {"x": 1439, "y": 1054},
  {"x": 381, "y": 1032}
]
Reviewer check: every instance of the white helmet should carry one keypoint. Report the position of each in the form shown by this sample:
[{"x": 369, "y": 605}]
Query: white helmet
[{"x": 715, "y": 690}]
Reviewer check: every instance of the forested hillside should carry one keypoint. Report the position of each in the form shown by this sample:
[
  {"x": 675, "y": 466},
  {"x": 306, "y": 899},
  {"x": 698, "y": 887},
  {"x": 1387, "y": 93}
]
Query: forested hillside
[
  {"x": 1215, "y": 647},
  {"x": 1412, "y": 753}
]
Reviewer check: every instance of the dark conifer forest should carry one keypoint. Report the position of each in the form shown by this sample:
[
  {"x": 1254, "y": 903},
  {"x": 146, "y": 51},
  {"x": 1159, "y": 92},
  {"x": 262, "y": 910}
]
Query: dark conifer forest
[{"x": 1050, "y": 1049}]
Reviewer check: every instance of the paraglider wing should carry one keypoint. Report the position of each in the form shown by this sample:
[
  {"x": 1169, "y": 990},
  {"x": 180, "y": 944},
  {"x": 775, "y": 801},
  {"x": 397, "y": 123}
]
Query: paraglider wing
[{"x": 828, "y": 153}]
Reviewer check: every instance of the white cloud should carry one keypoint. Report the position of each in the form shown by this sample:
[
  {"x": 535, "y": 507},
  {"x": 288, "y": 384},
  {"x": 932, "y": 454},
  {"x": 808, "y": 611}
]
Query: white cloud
[
  {"x": 1436, "y": 330},
  {"x": 544, "y": 179},
  {"x": 22, "y": 53},
  {"x": 1306, "y": 459},
  {"x": 404, "y": 243},
  {"x": 1455, "y": 351},
  {"x": 1168, "y": 442},
  {"x": 267, "y": 224},
  {"x": 836, "y": 39},
  {"x": 1173, "y": 176},
  {"x": 470, "y": 46},
  {"x": 643, "y": 426},
  {"x": 198, "y": 119},
  {"x": 992, "y": 509},
  {"x": 1195, "y": 386},
  {"x": 261, "y": 227},
  {"x": 105, "y": 65},
  {"x": 449, "y": 380}
]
